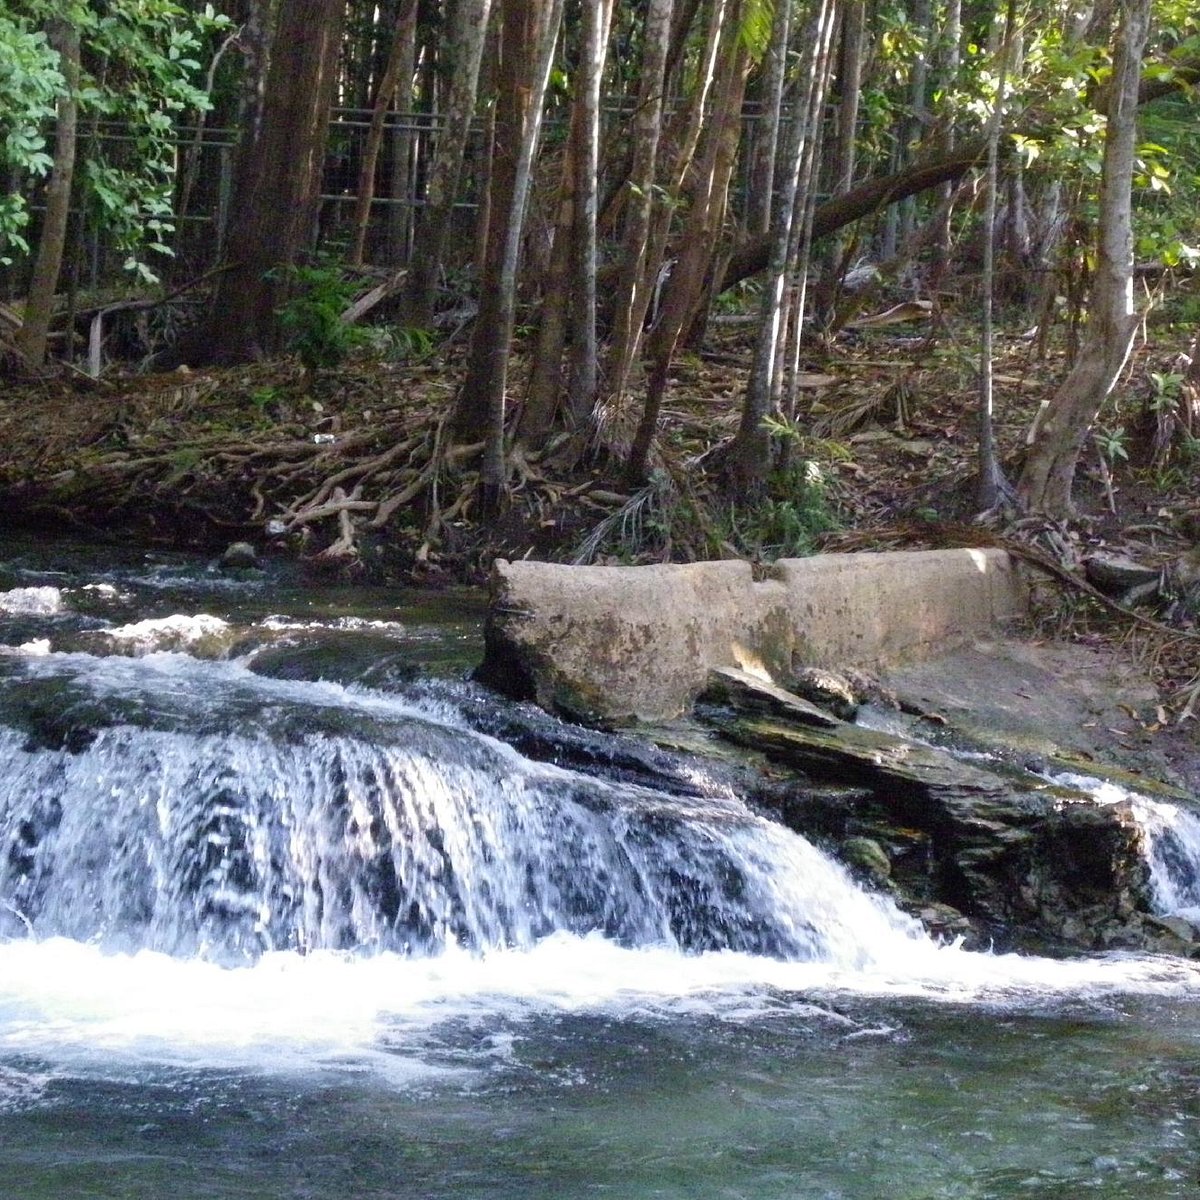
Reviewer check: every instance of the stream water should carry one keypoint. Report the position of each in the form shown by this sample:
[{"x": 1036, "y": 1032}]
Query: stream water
[{"x": 287, "y": 909}]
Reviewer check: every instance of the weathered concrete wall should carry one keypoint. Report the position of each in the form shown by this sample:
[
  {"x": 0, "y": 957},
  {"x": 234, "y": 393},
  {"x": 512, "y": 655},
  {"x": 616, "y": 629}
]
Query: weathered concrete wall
[{"x": 614, "y": 643}]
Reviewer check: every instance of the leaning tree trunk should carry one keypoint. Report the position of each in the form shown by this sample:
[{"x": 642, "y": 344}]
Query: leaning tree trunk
[
  {"x": 406, "y": 22},
  {"x": 276, "y": 189},
  {"x": 1059, "y": 432},
  {"x": 466, "y": 53},
  {"x": 527, "y": 55},
  {"x": 569, "y": 293},
  {"x": 35, "y": 327},
  {"x": 631, "y": 291},
  {"x": 701, "y": 233}
]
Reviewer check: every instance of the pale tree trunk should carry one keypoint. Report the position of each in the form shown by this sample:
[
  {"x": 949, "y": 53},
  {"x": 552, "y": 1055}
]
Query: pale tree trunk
[
  {"x": 914, "y": 127},
  {"x": 191, "y": 170},
  {"x": 483, "y": 215},
  {"x": 406, "y": 23},
  {"x": 1016, "y": 225},
  {"x": 583, "y": 376},
  {"x": 992, "y": 487},
  {"x": 762, "y": 197},
  {"x": 800, "y": 253},
  {"x": 632, "y": 287},
  {"x": 528, "y": 39},
  {"x": 402, "y": 179},
  {"x": 32, "y": 336},
  {"x": 950, "y": 59},
  {"x": 750, "y": 450},
  {"x": 700, "y": 236},
  {"x": 1059, "y": 432},
  {"x": 467, "y": 39},
  {"x": 845, "y": 156}
]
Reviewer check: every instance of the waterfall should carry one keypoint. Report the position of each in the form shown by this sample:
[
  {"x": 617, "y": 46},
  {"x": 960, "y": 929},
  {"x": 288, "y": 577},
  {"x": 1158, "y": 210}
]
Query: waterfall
[
  {"x": 198, "y": 809},
  {"x": 1170, "y": 840}
]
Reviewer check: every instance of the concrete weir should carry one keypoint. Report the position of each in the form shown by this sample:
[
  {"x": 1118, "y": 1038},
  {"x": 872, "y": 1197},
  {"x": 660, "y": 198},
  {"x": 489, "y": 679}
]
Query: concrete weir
[{"x": 623, "y": 643}]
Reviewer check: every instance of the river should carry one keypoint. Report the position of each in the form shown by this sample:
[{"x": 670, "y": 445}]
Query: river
[{"x": 285, "y": 912}]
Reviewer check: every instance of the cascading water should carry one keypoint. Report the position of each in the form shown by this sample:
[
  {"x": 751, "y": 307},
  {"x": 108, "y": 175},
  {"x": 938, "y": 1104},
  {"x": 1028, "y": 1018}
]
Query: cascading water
[
  {"x": 1171, "y": 840},
  {"x": 329, "y": 820},
  {"x": 264, "y": 935}
]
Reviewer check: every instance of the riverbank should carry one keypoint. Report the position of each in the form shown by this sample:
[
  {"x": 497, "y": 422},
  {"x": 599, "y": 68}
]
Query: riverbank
[{"x": 351, "y": 474}]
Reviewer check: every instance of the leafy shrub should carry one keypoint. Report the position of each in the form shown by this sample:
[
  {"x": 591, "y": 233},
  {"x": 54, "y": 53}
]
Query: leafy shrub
[{"x": 312, "y": 317}]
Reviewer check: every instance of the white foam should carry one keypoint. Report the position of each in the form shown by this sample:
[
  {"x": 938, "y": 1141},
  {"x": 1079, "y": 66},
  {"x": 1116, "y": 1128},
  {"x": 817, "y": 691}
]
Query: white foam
[
  {"x": 66, "y": 1003},
  {"x": 38, "y": 648},
  {"x": 176, "y": 632},
  {"x": 32, "y": 601}
]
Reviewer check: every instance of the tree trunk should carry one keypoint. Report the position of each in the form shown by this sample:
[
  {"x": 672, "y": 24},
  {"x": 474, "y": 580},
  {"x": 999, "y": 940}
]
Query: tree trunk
[
  {"x": 583, "y": 375},
  {"x": 700, "y": 235},
  {"x": 991, "y": 485},
  {"x": 749, "y": 452},
  {"x": 32, "y": 335},
  {"x": 545, "y": 376},
  {"x": 569, "y": 294},
  {"x": 870, "y": 197},
  {"x": 1059, "y": 432},
  {"x": 467, "y": 40},
  {"x": 276, "y": 189},
  {"x": 949, "y": 62},
  {"x": 406, "y": 21},
  {"x": 632, "y": 290},
  {"x": 527, "y": 54},
  {"x": 918, "y": 114},
  {"x": 845, "y": 156},
  {"x": 762, "y": 194},
  {"x": 403, "y": 146}
]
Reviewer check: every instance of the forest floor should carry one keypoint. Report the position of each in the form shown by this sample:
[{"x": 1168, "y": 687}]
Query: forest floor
[{"x": 354, "y": 471}]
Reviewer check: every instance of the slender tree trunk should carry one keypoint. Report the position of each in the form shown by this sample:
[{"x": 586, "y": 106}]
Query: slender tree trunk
[
  {"x": 991, "y": 485},
  {"x": 403, "y": 145},
  {"x": 750, "y": 450},
  {"x": 529, "y": 35},
  {"x": 483, "y": 215},
  {"x": 546, "y": 374},
  {"x": 632, "y": 288},
  {"x": 406, "y": 22},
  {"x": 1059, "y": 432},
  {"x": 684, "y": 180},
  {"x": 806, "y": 206},
  {"x": 467, "y": 40},
  {"x": 950, "y": 59},
  {"x": 569, "y": 295},
  {"x": 34, "y": 331},
  {"x": 191, "y": 168},
  {"x": 699, "y": 240},
  {"x": 914, "y": 127},
  {"x": 845, "y": 156},
  {"x": 583, "y": 376},
  {"x": 762, "y": 196}
]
